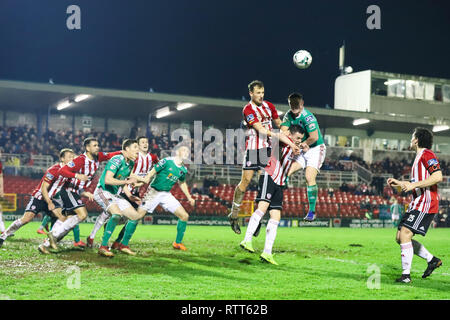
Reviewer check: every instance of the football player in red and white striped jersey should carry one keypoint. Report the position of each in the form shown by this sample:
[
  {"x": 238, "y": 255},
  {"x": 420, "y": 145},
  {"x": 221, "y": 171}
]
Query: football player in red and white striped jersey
[
  {"x": 425, "y": 175},
  {"x": 40, "y": 200},
  {"x": 270, "y": 192},
  {"x": 78, "y": 175},
  {"x": 258, "y": 116},
  {"x": 144, "y": 163}
]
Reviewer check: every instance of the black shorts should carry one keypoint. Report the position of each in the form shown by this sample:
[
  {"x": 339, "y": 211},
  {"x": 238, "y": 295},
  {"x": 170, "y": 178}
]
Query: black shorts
[
  {"x": 416, "y": 221},
  {"x": 270, "y": 192},
  {"x": 36, "y": 205},
  {"x": 71, "y": 200},
  {"x": 256, "y": 159}
]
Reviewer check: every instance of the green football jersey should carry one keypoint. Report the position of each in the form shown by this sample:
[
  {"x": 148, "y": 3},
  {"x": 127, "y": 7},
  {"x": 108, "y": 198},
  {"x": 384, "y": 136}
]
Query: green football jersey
[
  {"x": 308, "y": 121},
  {"x": 121, "y": 170},
  {"x": 167, "y": 174}
]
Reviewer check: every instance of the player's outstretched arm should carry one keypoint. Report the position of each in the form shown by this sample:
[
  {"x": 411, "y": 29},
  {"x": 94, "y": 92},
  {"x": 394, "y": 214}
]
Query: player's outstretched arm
[
  {"x": 280, "y": 136},
  {"x": 148, "y": 177},
  {"x": 44, "y": 191},
  {"x": 434, "y": 178},
  {"x": 110, "y": 180},
  {"x": 185, "y": 189}
]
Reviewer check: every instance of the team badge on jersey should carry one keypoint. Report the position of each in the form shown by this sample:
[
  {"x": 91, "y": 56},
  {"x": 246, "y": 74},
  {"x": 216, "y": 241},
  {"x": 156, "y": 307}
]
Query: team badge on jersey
[
  {"x": 432, "y": 162},
  {"x": 71, "y": 164},
  {"x": 250, "y": 118},
  {"x": 309, "y": 118},
  {"x": 269, "y": 196},
  {"x": 312, "y": 126}
]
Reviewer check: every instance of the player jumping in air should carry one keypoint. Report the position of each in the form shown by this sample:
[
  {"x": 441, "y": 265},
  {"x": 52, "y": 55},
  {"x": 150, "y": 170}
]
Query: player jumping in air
[
  {"x": 73, "y": 180},
  {"x": 165, "y": 174},
  {"x": 270, "y": 193},
  {"x": 258, "y": 115},
  {"x": 41, "y": 199},
  {"x": 425, "y": 175},
  {"x": 313, "y": 147},
  {"x": 143, "y": 164}
]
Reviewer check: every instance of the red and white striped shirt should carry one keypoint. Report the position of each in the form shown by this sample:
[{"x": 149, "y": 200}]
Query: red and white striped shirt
[
  {"x": 264, "y": 114},
  {"x": 279, "y": 164},
  {"x": 143, "y": 165},
  {"x": 83, "y": 165},
  {"x": 425, "y": 200},
  {"x": 50, "y": 176}
]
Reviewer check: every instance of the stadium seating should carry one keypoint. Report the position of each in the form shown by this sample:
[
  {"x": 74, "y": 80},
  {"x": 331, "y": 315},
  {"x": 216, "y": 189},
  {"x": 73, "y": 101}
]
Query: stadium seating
[{"x": 219, "y": 199}]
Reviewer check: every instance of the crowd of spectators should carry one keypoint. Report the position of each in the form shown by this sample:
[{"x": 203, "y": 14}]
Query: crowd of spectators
[{"x": 24, "y": 140}]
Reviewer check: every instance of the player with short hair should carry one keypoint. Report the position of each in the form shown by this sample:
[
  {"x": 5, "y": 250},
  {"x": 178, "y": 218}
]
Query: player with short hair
[
  {"x": 73, "y": 180},
  {"x": 114, "y": 179},
  {"x": 65, "y": 156},
  {"x": 42, "y": 199},
  {"x": 165, "y": 174},
  {"x": 313, "y": 147},
  {"x": 258, "y": 115},
  {"x": 426, "y": 174},
  {"x": 143, "y": 164},
  {"x": 270, "y": 193}
]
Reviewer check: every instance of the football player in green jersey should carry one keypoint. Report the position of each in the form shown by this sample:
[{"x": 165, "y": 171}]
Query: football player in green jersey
[
  {"x": 107, "y": 194},
  {"x": 164, "y": 175},
  {"x": 313, "y": 147}
]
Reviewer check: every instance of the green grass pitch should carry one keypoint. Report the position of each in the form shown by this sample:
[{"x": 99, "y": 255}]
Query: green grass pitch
[{"x": 315, "y": 263}]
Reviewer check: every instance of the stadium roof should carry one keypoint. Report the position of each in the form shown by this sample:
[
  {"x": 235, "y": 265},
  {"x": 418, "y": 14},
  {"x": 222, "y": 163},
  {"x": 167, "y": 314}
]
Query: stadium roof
[{"x": 127, "y": 104}]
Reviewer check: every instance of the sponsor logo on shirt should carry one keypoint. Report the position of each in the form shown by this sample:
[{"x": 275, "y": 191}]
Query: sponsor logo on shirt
[
  {"x": 49, "y": 176},
  {"x": 309, "y": 118},
  {"x": 113, "y": 167}
]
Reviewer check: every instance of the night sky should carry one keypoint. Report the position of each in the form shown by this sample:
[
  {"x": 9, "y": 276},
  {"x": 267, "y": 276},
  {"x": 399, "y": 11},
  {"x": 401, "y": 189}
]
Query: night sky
[{"x": 215, "y": 48}]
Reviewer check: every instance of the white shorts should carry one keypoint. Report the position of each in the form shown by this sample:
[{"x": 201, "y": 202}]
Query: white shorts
[
  {"x": 314, "y": 157},
  {"x": 153, "y": 198},
  {"x": 105, "y": 199}
]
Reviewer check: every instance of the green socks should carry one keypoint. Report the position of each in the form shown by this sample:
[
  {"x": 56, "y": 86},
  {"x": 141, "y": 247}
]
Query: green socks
[
  {"x": 122, "y": 232},
  {"x": 76, "y": 233},
  {"x": 312, "y": 197},
  {"x": 45, "y": 221},
  {"x": 181, "y": 228},
  {"x": 129, "y": 230},
  {"x": 109, "y": 229}
]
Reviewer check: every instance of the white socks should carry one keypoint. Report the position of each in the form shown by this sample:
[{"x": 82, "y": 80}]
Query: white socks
[
  {"x": 253, "y": 224},
  {"x": 2, "y": 225},
  {"x": 11, "y": 229},
  {"x": 407, "y": 255},
  {"x": 60, "y": 230},
  {"x": 101, "y": 219},
  {"x": 271, "y": 233},
  {"x": 421, "y": 251}
]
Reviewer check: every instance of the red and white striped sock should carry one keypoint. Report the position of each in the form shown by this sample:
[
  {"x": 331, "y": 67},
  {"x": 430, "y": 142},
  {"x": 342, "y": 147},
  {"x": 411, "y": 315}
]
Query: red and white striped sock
[
  {"x": 271, "y": 233},
  {"x": 253, "y": 224},
  {"x": 407, "y": 255}
]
